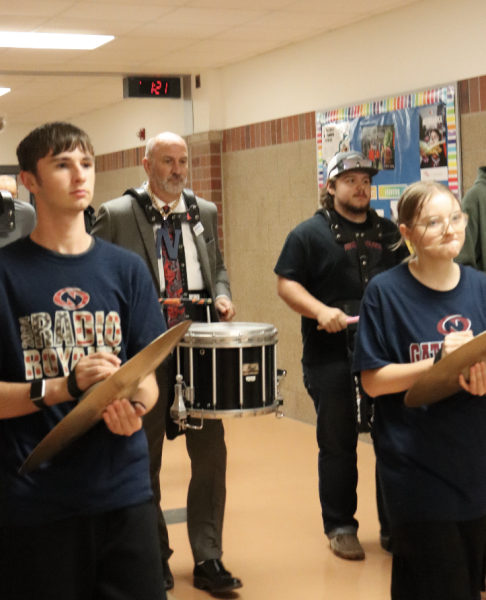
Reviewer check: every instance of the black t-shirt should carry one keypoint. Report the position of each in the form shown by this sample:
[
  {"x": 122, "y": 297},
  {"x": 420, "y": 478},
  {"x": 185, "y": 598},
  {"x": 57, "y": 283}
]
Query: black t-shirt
[{"x": 330, "y": 271}]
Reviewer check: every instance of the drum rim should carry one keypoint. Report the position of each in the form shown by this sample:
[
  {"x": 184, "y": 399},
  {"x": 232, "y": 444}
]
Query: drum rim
[
  {"x": 204, "y": 413},
  {"x": 230, "y": 335}
]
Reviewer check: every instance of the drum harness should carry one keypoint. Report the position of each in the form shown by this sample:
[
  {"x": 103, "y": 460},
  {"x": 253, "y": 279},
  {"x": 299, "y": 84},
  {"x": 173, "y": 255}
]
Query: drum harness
[
  {"x": 183, "y": 393},
  {"x": 178, "y": 411},
  {"x": 191, "y": 216},
  {"x": 345, "y": 235}
]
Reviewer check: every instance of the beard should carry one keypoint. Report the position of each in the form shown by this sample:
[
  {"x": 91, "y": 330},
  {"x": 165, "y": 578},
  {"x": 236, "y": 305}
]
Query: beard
[
  {"x": 171, "y": 185},
  {"x": 356, "y": 209}
]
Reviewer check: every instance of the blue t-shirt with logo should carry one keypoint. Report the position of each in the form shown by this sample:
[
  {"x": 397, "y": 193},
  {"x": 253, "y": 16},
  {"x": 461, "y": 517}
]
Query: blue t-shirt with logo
[
  {"x": 55, "y": 309},
  {"x": 431, "y": 459}
]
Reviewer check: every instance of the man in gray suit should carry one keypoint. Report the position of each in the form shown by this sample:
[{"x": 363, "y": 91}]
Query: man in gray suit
[
  {"x": 141, "y": 221},
  {"x": 17, "y": 223}
]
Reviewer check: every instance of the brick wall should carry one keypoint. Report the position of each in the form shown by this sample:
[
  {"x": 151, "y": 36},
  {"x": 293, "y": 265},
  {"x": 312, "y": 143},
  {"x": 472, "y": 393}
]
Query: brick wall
[
  {"x": 205, "y": 172},
  {"x": 120, "y": 160},
  {"x": 270, "y": 133},
  {"x": 472, "y": 95}
]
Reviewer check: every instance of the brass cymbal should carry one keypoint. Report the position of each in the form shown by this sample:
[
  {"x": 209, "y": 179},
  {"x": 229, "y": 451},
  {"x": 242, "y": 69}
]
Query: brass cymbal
[
  {"x": 442, "y": 380},
  {"x": 121, "y": 384}
]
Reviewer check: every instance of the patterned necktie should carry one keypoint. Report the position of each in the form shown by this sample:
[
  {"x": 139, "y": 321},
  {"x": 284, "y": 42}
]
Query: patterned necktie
[{"x": 173, "y": 281}]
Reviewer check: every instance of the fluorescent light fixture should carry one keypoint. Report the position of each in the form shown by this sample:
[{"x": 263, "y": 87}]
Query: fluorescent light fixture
[
  {"x": 4, "y": 91},
  {"x": 56, "y": 41}
]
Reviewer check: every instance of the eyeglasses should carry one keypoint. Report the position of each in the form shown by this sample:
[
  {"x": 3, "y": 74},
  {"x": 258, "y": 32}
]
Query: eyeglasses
[{"x": 438, "y": 225}]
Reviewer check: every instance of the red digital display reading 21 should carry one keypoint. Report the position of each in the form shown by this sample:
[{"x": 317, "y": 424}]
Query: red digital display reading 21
[
  {"x": 152, "y": 87},
  {"x": 159, "y": 88}
]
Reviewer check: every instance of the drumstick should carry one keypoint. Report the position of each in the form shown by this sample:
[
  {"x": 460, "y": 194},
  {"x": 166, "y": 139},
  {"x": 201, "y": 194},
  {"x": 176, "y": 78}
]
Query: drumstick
[
  {"x": 178, "y": 301},
  {"x": 349, "y": 321}
]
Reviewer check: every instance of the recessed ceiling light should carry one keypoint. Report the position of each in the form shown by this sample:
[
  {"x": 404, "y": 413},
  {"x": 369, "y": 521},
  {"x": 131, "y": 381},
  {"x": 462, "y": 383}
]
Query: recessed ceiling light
[
  {"x": 4, "y": 91},
  {"x": 57, "y": 41}
]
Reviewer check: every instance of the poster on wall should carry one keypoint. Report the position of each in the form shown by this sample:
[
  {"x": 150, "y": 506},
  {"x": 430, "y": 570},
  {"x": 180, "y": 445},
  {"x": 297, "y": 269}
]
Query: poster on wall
[{"x": 409, "y": 138}]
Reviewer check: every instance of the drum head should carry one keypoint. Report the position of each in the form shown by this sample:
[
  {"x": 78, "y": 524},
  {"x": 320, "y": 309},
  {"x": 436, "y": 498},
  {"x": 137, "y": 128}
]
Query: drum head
[{"x": 229, "y": 335}]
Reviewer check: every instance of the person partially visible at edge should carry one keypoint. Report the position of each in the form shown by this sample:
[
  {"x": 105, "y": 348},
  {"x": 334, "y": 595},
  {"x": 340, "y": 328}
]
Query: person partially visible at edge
[
  {"x": 473, "y": 253},
  {"x": 323, "y": 270},
  {"x": 74, "y": 309},
  {"x": 431, "y": 455},
  {"x": 24, "y": 214}
]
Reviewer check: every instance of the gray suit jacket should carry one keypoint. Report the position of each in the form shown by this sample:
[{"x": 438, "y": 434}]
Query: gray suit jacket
[
  {"x": 25, "y": 220},
  {"x": 123, "y": 222}
]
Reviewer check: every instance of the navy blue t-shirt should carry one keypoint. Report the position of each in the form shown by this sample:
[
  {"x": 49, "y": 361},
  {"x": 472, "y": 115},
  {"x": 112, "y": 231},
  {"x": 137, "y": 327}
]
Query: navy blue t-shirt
[
  {"x": 432, "y": 459},
  {"x": 55, "y": 309}
]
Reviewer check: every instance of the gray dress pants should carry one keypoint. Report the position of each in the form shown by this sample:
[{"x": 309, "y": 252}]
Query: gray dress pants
[{"x": 207, "y": 489}]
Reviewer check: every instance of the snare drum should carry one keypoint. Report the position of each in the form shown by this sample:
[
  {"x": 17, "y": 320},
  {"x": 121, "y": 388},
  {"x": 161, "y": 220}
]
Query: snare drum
[{"x": 229, "y": 369}]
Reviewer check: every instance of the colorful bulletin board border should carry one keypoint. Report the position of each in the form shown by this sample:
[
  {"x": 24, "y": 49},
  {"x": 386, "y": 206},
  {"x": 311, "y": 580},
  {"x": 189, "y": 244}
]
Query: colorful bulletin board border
[{"x": 444, "y": 95}]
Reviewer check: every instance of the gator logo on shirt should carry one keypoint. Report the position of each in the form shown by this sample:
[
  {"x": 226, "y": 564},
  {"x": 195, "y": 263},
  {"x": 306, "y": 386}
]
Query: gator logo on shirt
[
  {"x": 71, "y": 298},
  {"x": 453, "y": 323}
]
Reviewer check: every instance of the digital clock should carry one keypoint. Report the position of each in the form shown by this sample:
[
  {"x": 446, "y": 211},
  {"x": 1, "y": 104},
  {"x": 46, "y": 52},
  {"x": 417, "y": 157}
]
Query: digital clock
[{"x": 152, "y": 87}]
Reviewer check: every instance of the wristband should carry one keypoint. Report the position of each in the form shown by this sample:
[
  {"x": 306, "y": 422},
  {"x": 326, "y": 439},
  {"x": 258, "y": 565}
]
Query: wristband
[
  {"x": 72, "y": 385},
  {"x": 37, "y": 393}
]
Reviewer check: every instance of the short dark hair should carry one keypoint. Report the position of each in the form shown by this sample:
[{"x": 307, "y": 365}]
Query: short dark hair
[{"x": 58, "y": 137}]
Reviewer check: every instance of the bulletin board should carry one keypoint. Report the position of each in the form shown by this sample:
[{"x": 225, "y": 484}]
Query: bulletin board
[{"x": 409, "y": 138}]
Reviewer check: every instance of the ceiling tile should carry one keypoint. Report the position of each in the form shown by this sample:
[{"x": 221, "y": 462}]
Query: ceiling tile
[
  {"x": 349, "y": 7},
  {"x": 238, "y": 4},
  {"x": 251, "y": 33},
  {"x": 132, "y": 2},
  {"x": 177, "y": 28},
  {"x": 228, "y": 47},
  {"x": 103, "y": 11},
  {"x": 87, "y": 26},
  {"x": 21, "y": 23},
  {"x": 312, "y": 20},
  {"x": 206, "y": 16},
  {"x": 36, "y": 8}
]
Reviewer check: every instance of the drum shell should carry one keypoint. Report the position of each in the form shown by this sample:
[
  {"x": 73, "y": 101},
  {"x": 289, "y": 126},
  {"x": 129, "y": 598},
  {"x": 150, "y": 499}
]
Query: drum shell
[
  {"x": 239, "y": 357},
  {"x": 228, "y": 377}
]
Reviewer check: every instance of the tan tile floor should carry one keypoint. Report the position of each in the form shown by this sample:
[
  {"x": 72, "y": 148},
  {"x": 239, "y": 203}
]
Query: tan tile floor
[{"x": 273, "y": 537}]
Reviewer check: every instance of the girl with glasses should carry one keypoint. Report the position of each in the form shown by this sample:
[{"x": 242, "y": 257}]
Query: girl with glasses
[{"x": 431, "y": 458}]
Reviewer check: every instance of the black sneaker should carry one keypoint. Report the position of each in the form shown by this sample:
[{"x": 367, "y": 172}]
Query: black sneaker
[{"x": 386, "y": 543}]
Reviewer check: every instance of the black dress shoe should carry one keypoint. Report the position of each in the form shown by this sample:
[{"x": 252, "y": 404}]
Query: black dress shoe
[
  {"x": 168, "y": 577},
  {"x": 386, "y": 543},
  {"x": 212, "y": 576}
]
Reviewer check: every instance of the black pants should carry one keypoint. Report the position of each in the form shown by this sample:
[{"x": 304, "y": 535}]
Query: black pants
[
  {"x": 112, "y": 556},
  {"x": 438, "y": 560},
  {"x": 329, "y": 386}
]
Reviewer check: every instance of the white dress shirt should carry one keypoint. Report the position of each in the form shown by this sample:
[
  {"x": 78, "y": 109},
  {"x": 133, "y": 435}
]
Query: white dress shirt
[{"x": 195, "y": 279}]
